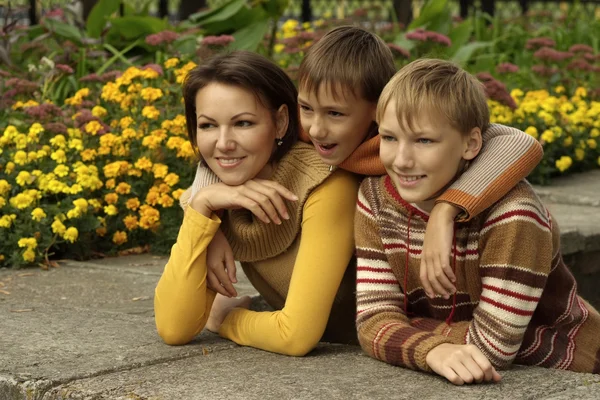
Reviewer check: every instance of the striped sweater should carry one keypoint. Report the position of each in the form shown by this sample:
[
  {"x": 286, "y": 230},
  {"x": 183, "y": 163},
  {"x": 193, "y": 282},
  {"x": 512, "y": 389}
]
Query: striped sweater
[{"x": 516, "y": 300}]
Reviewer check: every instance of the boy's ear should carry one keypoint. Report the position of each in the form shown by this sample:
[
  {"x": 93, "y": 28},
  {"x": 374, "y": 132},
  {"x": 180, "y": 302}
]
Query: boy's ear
[
  {"x": 282, "y": 120},
  {"x": 473, "y": 143}
]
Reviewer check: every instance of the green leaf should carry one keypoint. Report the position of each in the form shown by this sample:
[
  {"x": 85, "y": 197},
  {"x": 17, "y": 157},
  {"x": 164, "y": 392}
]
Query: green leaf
[
  {"x": 64, "y": 30},
  {"x": 460, "y": 35},
  {"x": 134, "y": 27},
  {"x": 99, "y": 15},
  {"x": 186, "y": 44},
  {"x": 222, "y": 13},
  {"x": 116, "y": 56},
  {"x": 432, "y": 9},
  {"x": 464, "y": 54},
  {"x": 244, "y": 17},
  {"x": 403, "y": 42},
  {"x": 250, "y": 37}
]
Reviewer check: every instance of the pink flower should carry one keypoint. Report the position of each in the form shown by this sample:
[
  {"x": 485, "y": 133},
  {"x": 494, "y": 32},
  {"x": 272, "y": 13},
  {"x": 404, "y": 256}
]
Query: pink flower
[
  {"x": 218, "y": 41},
  {"x": 548, "y": 54},
  {"x": 44, "y": 111},
  {"x": 496, "y": 90},
  {"x": 55, "y": 127},
  {"x": 163, "y": 37},
  {"x": 581, "y": 48},
  {"x": 90, "y": 78},
  {"x": 422, "y": 35},
  {"x": 539, "y": 42},
  {"x": 544, "y": 70},
  {"x": 505, "y": 68},
  {"x": 64, "y": 68},
  {"x": 398, "y": 50},
  {"x": 581, "y": 65}
]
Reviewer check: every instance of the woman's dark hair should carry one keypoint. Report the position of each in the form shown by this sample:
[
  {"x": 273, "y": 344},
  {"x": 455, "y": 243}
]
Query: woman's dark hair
[{"x": 269, "y": 83}]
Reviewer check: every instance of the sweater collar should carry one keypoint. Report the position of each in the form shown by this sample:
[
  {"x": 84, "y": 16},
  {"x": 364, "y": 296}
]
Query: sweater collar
[{"x": 301, "y": 170}]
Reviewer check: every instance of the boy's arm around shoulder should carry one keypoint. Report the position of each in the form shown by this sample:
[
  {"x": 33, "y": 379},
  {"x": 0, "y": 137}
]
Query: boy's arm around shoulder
[
  {"x": 508, "y": 155},
  {"x": 384, "y": 330}
]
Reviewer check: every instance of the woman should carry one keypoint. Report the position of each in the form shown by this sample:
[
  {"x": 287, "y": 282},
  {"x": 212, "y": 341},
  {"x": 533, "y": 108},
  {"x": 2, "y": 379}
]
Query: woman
[{"x": 288, "y": 218}]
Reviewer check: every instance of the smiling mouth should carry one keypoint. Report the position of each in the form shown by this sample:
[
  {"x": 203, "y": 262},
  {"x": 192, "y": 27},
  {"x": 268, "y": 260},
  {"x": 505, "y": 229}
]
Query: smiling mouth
[
  {"x": 229, "y": 161},
  {"x": 412, "y": 178}
]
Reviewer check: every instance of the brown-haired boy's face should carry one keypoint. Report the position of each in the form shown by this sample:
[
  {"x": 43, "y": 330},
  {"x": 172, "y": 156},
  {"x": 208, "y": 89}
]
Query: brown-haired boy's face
[
  {"x": 337, "y": 125},
  {"x": 422, "y": 162}
]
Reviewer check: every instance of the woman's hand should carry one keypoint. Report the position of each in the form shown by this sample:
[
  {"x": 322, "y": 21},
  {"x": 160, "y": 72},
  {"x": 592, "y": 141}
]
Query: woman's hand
[
  {"x": 264, "y": 198},
  {"x": 220, "y": 265}
]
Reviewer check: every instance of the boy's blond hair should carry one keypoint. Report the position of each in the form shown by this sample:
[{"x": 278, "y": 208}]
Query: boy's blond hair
[
  {"x": 436, "y": 86},
  {"x": 351, "y": 57}
]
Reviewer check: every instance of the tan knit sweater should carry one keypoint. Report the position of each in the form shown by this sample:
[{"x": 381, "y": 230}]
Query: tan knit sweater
[{"x": 516, "y": 300}]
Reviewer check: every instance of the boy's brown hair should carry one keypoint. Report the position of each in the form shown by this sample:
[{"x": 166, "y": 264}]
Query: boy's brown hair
[
  {"x": 351, "y": 57},
  {"x": 438, "y": 86}
]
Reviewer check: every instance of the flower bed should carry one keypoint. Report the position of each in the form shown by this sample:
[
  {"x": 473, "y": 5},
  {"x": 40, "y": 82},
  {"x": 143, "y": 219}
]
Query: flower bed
[{"x": 99, "y": 174}]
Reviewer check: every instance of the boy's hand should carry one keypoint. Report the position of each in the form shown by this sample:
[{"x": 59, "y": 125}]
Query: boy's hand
[
  {"x": 436, "y": 273},
  {"x": 220, "y": 266},
  {"x": 461, "y": 363}
]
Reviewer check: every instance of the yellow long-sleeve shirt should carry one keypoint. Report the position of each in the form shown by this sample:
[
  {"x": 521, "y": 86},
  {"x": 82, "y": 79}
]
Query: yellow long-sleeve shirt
[{"x": 314, "y": 264}]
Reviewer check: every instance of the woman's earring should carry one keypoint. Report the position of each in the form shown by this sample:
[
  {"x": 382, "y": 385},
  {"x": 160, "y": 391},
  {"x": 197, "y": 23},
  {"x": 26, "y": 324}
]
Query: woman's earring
[{"x": 279, "y": 142}]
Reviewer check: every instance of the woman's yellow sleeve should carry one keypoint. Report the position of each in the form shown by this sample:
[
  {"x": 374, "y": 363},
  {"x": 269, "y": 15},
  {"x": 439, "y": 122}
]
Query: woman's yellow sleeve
[
  {"x": 326, "y": 248},
  {"x": 182, "y": 300}
]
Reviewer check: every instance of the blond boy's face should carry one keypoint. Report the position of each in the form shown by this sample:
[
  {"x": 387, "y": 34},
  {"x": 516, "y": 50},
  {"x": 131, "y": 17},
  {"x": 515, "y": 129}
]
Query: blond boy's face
[
  {"x": 337, "y": 125},
  {"x": 423, "y": 162}
]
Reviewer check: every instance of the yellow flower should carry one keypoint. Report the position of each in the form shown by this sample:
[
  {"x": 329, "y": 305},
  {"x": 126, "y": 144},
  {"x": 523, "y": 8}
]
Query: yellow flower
[
  {"x": 559, "y": 89},
  {"x": 150, "y": 217},
  {"x": 101, "y": 231},
  {"x": 171, "y": 63},
  {"x": 36, "y": 128},
  {"x": 110, "y": 210},
  {"x": 74, "y": 133},
  {"x": 151, "y": 94},
  {"x": 10, "y": 166},
  {"x": 152, "y": 197},
  {"x": 110, "y": 184},
  {"x": 171, "y": 179},
  {"x": 166, "y": 201},
  {"x": 58, "y": 227},
  {"x": 29, "y": 255},
  {"x": 568, "y": 141},
  {"x": 160, "y": 170},
  {"x": 4, "y": 187},
  {"x": 564, "y": 163},
  {"x": 71, "y": 234},
  {"x": 24, "y": 178},
  {"x": 21, "y": 201},
  {"x": 125, "y": 122},
  {"x": 111, "y": 198},
  {"x": 144, "y": 163},
  {"x": 579, "y": 154},
  {"x": 548, "y": 136},
  {"x": 30, "y": 243},
  {"x": 38, "y": 214},
  {"x": 177, "y": 193},
  {"x": 123, "y": 188},
  {"x": 93, "y": 127},
  {"x": 150, "y": 112},
  {"x": 74, "y": 213},
  {"x": 131, "y": 222},
  {"x": 133, "y": 204},
  {"x": 581, "y": 92},
  {"x": 278, "y": 48},
  {"x": 119, "y": 237},
  {"x": 59, "y": 156},
  {"x": 88, "y": 155},
  {"x": 6, "y": 221},
  {"x": 2, "y": 202},
  {"x": 592, "y": 143},
  {"x": 20, "y": 157},
  {"x": 61, "y": 170},
  {"x": 59, "y": 141}
]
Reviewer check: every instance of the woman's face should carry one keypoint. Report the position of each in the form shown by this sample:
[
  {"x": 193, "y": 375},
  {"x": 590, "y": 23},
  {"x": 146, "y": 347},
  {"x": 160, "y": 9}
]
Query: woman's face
[{"x": 236, "y": 134}]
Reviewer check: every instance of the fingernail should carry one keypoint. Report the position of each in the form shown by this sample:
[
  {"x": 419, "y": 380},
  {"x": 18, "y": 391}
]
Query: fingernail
[
  {"x": 446, "y": 297},
  {"x": 286, "y": 216},
  {"x": 294, "y": 197}
]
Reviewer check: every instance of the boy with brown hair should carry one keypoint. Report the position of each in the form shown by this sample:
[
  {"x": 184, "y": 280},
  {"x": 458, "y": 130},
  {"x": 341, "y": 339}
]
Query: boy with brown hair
[{"x": 515, "y": 299}]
